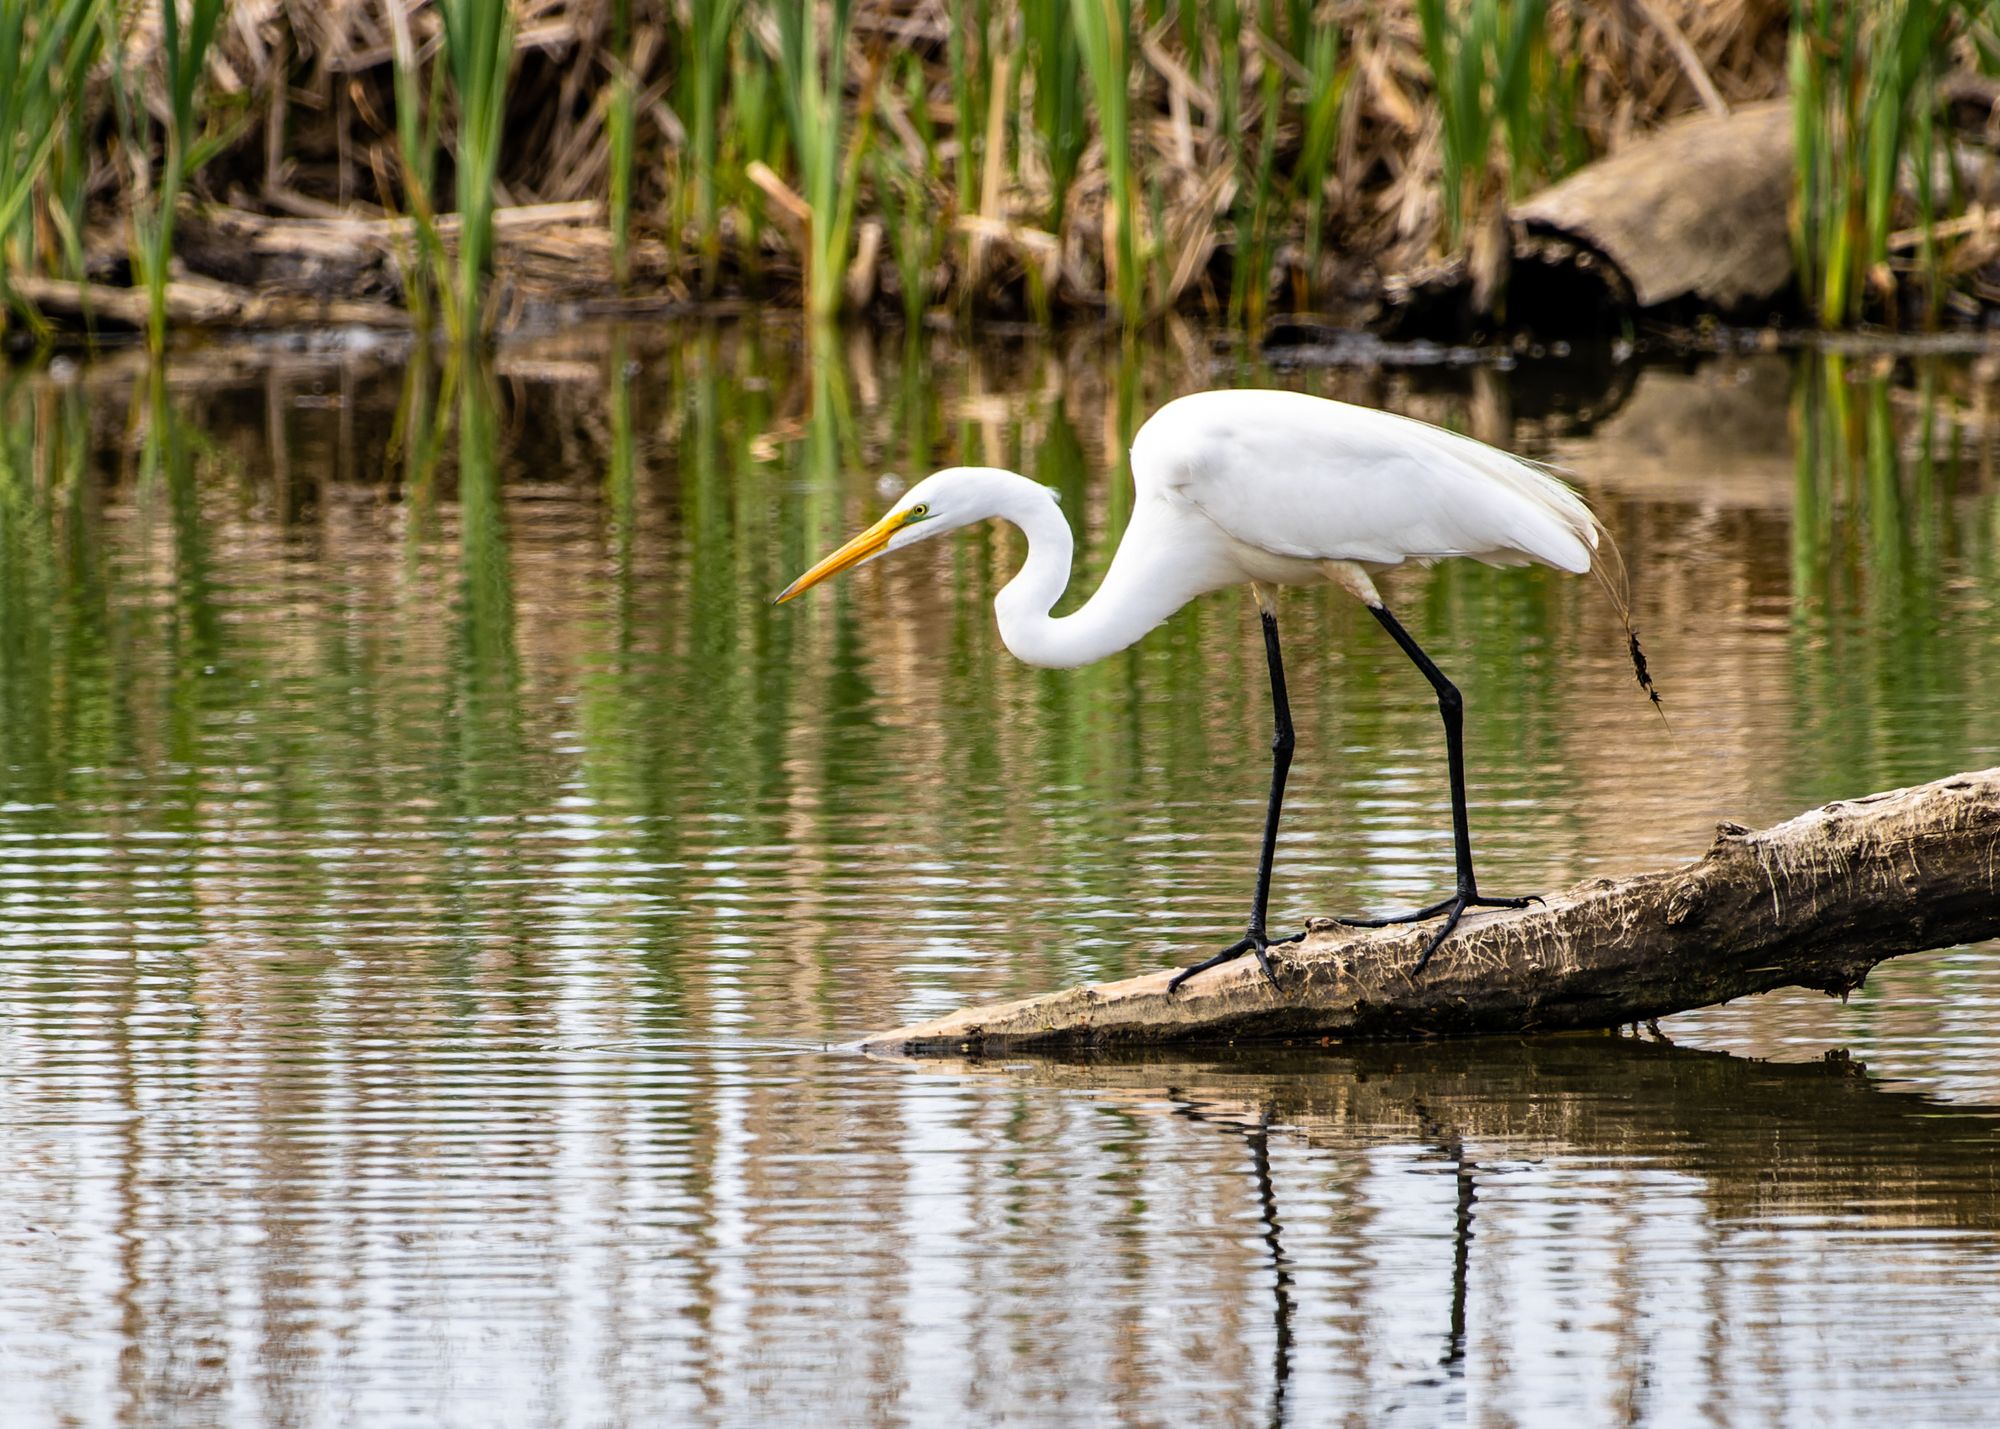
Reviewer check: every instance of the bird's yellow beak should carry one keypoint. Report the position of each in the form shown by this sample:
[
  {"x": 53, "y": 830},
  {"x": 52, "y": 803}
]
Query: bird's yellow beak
[{"x": 851, "y": 554}]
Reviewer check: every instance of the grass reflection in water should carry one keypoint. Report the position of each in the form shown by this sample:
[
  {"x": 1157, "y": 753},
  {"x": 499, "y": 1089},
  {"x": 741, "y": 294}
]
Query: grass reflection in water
[{"x": 425, "y": 853}]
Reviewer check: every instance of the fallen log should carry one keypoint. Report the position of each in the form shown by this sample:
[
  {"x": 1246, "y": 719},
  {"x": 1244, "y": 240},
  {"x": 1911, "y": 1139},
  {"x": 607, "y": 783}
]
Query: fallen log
[
  {"x": 1814, "y": 902},
  {"x": 1695, "y": 216},
  {"x": 200, "y": 304},
  {"x": 246, "y": 270},
  {"x": 1697, "y": 211}
]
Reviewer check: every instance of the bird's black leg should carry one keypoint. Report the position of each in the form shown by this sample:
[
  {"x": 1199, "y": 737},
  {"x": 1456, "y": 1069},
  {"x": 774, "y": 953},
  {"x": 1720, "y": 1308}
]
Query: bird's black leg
[
  {"x": 1451, "y": 705},
  {"x": 1282, "y": 742}
]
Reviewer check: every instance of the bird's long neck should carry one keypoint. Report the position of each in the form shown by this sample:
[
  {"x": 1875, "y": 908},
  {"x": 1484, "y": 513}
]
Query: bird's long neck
[{"x": 1121, "y": 610}]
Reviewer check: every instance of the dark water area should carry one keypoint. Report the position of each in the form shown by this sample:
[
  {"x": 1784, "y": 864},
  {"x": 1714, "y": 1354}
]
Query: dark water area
[{"x": 435, "y": 883}]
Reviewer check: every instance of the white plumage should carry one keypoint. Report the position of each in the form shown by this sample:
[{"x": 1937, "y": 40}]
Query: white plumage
[
  {"x": 1316, "y": 480},
  {"x": 1248, "y": 486},
  {"x": 1270, "y": 489}
]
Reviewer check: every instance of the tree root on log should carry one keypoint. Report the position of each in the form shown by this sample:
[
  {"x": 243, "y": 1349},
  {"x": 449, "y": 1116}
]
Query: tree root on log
[{"x": 1814, "y": 902}]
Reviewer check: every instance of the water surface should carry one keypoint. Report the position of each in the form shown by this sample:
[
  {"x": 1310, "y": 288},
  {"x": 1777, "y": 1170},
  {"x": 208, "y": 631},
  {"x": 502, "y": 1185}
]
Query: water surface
[{"x": 433, "y": 877}]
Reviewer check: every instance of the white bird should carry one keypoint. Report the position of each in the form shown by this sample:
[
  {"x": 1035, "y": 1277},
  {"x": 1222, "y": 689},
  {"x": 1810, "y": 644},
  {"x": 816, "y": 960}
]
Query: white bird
[{"x": 1268, "y": 488}]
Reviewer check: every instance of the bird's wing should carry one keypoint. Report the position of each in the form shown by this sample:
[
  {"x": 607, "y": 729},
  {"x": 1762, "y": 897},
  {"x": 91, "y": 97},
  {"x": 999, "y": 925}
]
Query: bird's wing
[{"x": 1313, "y": 479}]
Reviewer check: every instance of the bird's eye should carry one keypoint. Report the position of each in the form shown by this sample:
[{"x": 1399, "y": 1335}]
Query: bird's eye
[{"x": 917, "y": 512}]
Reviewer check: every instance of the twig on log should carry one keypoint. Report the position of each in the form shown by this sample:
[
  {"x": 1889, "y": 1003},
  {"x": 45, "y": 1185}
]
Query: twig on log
[{"x": 1814, "y": 902}]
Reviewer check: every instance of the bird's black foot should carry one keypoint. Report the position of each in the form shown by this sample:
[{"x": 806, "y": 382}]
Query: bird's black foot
[
  {"x": 1454, "y": 905},
  {"x": 1252, "y": 942},
  {"x": 1453, "y": 909}
]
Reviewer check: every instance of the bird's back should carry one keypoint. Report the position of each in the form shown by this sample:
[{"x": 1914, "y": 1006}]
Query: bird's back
[{"x": 1310, "y": 479}]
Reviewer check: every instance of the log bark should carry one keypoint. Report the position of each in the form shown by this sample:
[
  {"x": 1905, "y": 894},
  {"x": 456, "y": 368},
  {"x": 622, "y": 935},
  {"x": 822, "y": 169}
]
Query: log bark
[
  {"x": 1814, "y": 902},
  {"x": 1697, "y": 211}
]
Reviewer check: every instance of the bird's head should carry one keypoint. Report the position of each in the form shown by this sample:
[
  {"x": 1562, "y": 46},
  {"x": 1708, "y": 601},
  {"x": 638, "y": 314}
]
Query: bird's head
[{"x": 941, "y": 502}]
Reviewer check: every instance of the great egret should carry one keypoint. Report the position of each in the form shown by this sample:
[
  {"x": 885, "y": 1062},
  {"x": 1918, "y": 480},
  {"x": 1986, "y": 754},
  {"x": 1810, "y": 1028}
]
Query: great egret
[{"x": 1268, "y": 488}]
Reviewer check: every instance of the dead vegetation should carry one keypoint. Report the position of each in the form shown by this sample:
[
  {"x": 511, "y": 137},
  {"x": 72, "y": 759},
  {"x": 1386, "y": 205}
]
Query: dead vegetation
[{"x": 1281, "y": 155}]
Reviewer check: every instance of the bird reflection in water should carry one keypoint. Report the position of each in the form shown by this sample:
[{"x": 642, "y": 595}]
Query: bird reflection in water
[
  {"x": 1754, "y": 1151},
  {"x": 1284, "y": 1303}
]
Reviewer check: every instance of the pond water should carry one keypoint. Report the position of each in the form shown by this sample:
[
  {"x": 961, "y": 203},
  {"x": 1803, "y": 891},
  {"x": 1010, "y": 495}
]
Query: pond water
[{"x": 434, "y": 882}]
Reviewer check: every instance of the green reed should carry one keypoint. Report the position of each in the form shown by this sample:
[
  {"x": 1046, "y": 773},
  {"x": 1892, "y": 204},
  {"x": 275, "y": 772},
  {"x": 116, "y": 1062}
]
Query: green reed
[
  {"x": 185, "y": 149},
  {"x": 1062, "y": 129},
  {"x": 1317, "y": 42},
  {"x": 67, "y": 188},
  {"x": 1012, "y": 93},
  {"x": 424, "y": 266},
  {"x": 1104, "y": 34},
  {"x": 45, "y": 52},
  {"x": 479, "y": 48},
  {"x": 1254, "y": 218},
  {"x": 1864, "y": 103},
  {"x": 813, "y": 75},
  {"x": 913, "y": 203},
  {"x": 710, "y": 23},
  {"x": 751, "y": 130},
  {"x": 912, "y": 230},
  {"x": 184, "y": 56},
  {"x": 1481, "y": 57},
  {"x": 620, "y": 131},
  {"x": 971, "y": 72},
  {"x": 1228, "y": 15}
]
